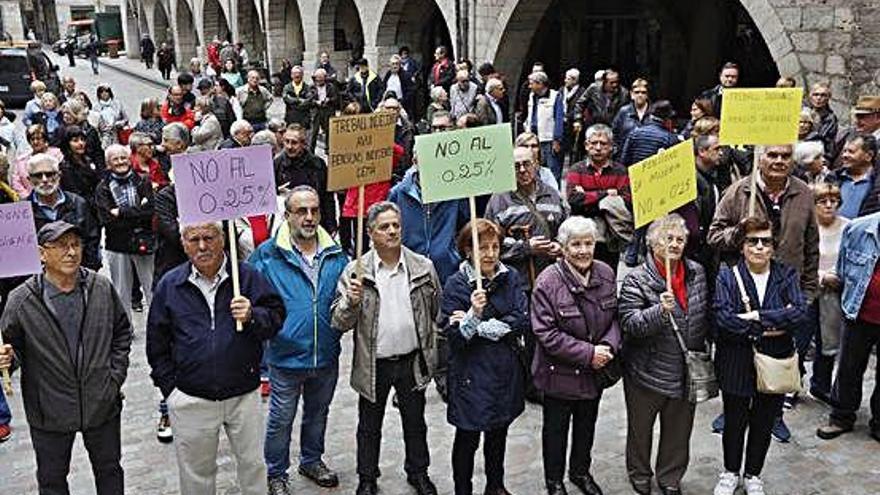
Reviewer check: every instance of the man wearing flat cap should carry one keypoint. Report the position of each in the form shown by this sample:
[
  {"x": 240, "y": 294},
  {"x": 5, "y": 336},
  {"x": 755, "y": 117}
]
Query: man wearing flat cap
[
  {"x": 866, "y": 120},
  {"x": 71, "y": 337}
]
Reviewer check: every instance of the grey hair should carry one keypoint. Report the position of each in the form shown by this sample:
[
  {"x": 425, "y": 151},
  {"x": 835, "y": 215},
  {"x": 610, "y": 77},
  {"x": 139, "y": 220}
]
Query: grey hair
[
  {"x": 80, "y": 112},
  {"x": 394, "y": 58},
  {"x": 138, "y": 139},
  {"x": 218, "y": 226},
  {"x": 573, "y": 73},
  {"x": 239, "y": 125},
  {"x": 493, "y": 83},
  {"x": 378, "y": 209},
  {"x": 298, "y": 189},
  {"x": 205, "y": 103},
  {"x": 539, "y": 77},
  {"x": 115, "y": 149},
  {"x": 704, "y": 142},
  {"x": 659, "y": 228},
  {"x": 176, "y": 131},
  {"x": 599, "y": 129},
  {"x": 48, "y": 95},
  {"x": 319, "y": 72},
  {"x": 807, "y": 151},
  {"x": 195, "y": 62},
  {"x": 576, "y": 226},
  {"x": 43, "y": 158},
  {"x": 436, "y": 91},
  {"x": 264, "y": 137},
  {"x": 812, "y": 115}
]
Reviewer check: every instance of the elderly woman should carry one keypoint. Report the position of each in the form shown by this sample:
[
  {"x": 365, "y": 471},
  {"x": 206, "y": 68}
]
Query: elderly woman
[
  {"x": 659, "y": 312},
  {"x": 439, "y": 101},
  {"x": 808, "y": 125},
  {"x": 701, "y": 107},
  {"x": 39, "y": 143},
  {"x": 574, "y": 319},
  {"x": 124, "y": 202},
  {"x": 810, "y": 161},
  {"x": 775, "y": 310},
  {"x": 486, "y": 378},
  {"x": 51, "y": 118},
  {"x": 35, "y": 104},
  {"x": 143, "y": 160},
  {"x": 207, "y": 133},
  {"x": 113, "y": 116},
  {"x": 151, "y": 119}
]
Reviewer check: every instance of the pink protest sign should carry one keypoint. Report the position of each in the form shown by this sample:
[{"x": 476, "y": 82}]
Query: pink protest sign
[
  {"x": 224, "y": 184},
  {"x": 19, "y": 254}
]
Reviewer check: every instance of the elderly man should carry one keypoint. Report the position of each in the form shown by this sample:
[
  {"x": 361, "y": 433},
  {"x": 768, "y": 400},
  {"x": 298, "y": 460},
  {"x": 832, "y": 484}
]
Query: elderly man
[
  {"x": 208, "y": 371},
  {"x": 298, "y": 98},
  {"x": 241, "y": 132},
  {"x": 571, "y": 92},
  {"x": 546, "y": 118},
  {"x": 602, "y": 100},
  {"x": 50, "y": 203},
  {"x": 175, "y": 109},
  {"x": 304, "y": 264},
  {"x": 462, "y": 95},
  {"x": 633, "y": 115},
  {"x": 728, "y": 77},
  {"x": 857, "y": 178},
  {"x": 443, "y": 70},
  {"x": 400, "y": 288},
  {"x": 71, "y": 337},
  {"x": 866, "y": 117},
  {"x": 365, "y": 87},
  {"x": 597, "y": 179},
  {"x": 124, "y": 202},
  {"x": 324, "y": 63},
  {"x": 68, "y": 88},
  {"x": 297, "y": 166},
  {"x": 326, "y": 103},
  {"x": 491, "y": 106},
  {"x": 401, "y": 83},
  {"x": 255, "y": 101},
  {"x": 818, "y": 101}
]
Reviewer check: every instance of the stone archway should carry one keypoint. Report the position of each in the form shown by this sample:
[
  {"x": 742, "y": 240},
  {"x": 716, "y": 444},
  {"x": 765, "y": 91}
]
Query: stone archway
[
  {"x": 187, "y": 37},
  {"x": 215, "y": 23},
  {"x": 418, "y": 24},
  {"x": 285, "y": 37},
  {"x": 340, "y": 33},
  {"x": 162, "y": 32},
  {"x": 250, "y": 31}
]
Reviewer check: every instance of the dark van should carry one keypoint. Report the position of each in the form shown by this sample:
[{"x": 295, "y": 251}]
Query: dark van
[{"x": 20, "y": 64}]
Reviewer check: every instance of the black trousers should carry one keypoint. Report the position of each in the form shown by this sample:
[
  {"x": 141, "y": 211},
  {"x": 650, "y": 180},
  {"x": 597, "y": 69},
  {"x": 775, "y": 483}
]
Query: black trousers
[
  {"x": 53, "y": 451},
  {"x": 463, "y": 449},
  {"x": 411, "y": 403},
  {"x": 858, "y": 339},
  {"x": 559, "y": 415},
  {"x": 755, "y": 414}
]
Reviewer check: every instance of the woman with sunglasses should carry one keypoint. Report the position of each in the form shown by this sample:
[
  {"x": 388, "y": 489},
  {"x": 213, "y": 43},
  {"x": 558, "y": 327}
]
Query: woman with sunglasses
[{"x": 776, "y": 308}]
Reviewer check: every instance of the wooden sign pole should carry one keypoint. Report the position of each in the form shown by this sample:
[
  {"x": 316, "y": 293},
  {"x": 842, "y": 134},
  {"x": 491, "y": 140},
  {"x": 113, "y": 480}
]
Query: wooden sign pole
[
  {"x": 753, "y": 185},
  {"x": 233, "y": 259},
  {"x": 359, "y": 240},
  {"x": 668, "y": 271},
  {"x": 7, "y": 381},
  {"x": 472, "y": 202}
]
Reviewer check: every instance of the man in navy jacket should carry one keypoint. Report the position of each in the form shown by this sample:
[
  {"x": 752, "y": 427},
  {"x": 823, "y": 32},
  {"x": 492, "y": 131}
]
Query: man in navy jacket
[{"x": 208, "y": 371}]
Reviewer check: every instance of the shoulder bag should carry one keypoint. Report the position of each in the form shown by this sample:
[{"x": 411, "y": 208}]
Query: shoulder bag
[
  {"x": 701, "y": 382},
  {"x": 772, "y": 375}
]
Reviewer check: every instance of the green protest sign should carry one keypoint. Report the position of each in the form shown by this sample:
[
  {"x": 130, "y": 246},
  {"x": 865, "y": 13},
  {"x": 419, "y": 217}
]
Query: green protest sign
[{"x": 469, "y": 162}]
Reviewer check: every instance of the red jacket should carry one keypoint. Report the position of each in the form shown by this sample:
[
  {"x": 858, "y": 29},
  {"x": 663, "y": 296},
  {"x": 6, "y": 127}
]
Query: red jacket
[
  {"x": 152, "y": 170},
  {"x": 214, "y": 56},
  {"x": 373, "y": 193},
  {"x": 187, "y": 118}
]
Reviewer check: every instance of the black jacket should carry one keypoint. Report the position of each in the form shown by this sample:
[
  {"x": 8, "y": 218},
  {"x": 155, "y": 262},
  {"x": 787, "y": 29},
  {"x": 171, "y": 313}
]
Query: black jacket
[
  {"x": 64, "y": 394},
  {"x": 310, "y": 170},
  {"x": 132, "y": 231},
  {"x": 228, "y": 144},
  {"x": 76, "y": 211},
  {"x": 202, "y": 356},
  {"x": 298, "y": 106},
  {"x": 169, "y": 252},
  {"x": 81, "y": 179}
]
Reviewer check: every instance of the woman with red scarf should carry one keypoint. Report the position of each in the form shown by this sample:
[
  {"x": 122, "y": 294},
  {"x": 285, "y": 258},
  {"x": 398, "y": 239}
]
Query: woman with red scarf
[{"x": 660, "y": 316}]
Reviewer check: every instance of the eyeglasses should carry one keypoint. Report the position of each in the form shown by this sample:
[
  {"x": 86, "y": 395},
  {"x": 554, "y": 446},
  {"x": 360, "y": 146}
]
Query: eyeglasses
[
  {"x": 828, "y": 201},
  {"x": 523, "y": 164},
  {"x": 43, "y": 175},
  {"x": 753, "y": 241},
  {"x": 75, "y": 244}
]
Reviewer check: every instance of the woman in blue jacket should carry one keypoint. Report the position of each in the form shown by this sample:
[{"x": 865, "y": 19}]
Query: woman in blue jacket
[
  {"x": 486, "y": 378},
  {"x": 776, "y": 309}
]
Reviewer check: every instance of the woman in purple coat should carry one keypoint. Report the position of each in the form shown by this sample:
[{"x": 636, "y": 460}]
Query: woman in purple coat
[{"x": 574, "y": 318}]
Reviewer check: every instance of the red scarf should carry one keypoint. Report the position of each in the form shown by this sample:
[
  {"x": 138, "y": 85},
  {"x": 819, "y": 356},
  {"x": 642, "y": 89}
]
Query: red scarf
[
  {"x": 259, "y": 229},
  {"x": 679, "y": 289}
]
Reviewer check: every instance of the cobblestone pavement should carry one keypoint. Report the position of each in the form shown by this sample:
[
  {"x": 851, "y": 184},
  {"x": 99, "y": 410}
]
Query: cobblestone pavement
[{"x": 806, "y": 466}]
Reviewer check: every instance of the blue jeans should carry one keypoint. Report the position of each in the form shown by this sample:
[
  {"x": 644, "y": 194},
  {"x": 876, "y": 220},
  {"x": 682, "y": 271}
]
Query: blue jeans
[
  {"x": 317, "y": 387},
  {"x": 5, "y": 413},
  {"x": 552, "y": 160}
]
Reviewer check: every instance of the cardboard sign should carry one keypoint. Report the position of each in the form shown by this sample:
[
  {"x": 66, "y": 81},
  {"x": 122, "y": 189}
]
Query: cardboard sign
[
  {"x": 663, "y": 182},
  {"x": 19, "y": 252},
  {"x": 361, "y": 149},
  {"x": 469, "y": 162},
  {"x": 225, "y": 184},
  {"x": 762, "y": 116}
]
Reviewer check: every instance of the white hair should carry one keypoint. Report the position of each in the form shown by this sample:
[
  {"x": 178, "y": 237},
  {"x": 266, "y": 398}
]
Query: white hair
[
  {"x": 239, "y": 125},
  {"x": 807, "y": 151},
  {"x": 113, "y": 150},
  {"x": 43, "y": 159},
  {"x": 576, "y": 226},
  {"x": 264, "y": 137},
  {"x": 599, "y": 75},
  {"x": 436, "y": 91},
  {"x": 660, "y": 228},
  {"x": 573, "y": 73},
  {"x": 493, "y": 83},
  {"x": 218, "y": 226}
]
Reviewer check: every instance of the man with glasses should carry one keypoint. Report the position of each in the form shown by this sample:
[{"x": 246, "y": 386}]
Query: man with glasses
[
  {"x": 404, "y": 135},
  {"x": 71, "y": 337},
  {"x": 207, "y": 370},
  {"x": 50, "y": 203},
  {"x": 787, "y": 202},
  {"x": 298, "y": 166},
  {"x": 303, "y": 263}
]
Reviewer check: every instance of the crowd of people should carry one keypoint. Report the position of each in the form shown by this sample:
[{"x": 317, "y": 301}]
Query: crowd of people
[{"x": 571, "y": 298}]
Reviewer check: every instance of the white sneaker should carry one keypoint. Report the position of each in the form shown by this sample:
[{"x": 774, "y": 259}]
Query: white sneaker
[
  {"x": 753, "y": 485},
  {"x": 727, "y": 483}
]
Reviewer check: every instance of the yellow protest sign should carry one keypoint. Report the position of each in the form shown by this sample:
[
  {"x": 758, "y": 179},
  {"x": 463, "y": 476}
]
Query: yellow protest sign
[
  {"x": 663, "y": 182},
  {"x": 760, "y": 116},
  {"x": 361, "y": 149}
]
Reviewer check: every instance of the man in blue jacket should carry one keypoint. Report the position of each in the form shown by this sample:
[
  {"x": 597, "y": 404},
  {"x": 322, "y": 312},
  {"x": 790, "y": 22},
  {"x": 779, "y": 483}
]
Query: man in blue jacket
[
  {"x": 208, "y": 371},
  {"x": 304, "y": 265}
]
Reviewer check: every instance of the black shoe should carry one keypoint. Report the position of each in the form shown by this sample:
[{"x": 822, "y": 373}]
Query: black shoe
[
  {"x": 320, "y": 474},
  {"x": 670, "y": 491},
  {"x": 821, "y": 396},
  {"x": 831, "y": 431},
  {"x": 640, "y": 488},
  {"x": 366, "y": 487},
  {"x": 496, "y": 491},
  {"x": 423, "y": 484},
  {"x": 875, "y": 435},
  {"x": 556, "y": 488},
  {"x": 586, "y": 483}
]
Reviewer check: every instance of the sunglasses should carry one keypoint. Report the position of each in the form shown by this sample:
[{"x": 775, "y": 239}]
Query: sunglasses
[
  {"x": 753, "y": 241},
  {"x": 43, "y": 175}
]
